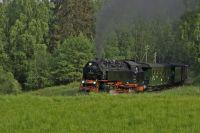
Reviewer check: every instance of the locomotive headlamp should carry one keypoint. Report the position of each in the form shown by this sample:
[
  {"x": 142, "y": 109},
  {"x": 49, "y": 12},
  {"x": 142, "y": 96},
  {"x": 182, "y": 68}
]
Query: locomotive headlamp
[
  {"x": 94, "y": 83},
  {"x": 136, "y": 70},
  {"x": 145, "y": 86},
  {"x": 83, "y": 82}
]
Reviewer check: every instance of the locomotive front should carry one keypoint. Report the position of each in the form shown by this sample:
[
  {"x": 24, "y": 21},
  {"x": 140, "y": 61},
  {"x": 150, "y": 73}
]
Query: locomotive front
[{"x": 92, "y": 73}]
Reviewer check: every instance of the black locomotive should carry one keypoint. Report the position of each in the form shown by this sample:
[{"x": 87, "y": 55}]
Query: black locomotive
[{"x": 123, "y": 76}]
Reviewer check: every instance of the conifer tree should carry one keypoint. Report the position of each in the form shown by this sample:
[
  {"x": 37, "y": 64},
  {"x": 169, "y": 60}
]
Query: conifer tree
[{"x": 74, "y": 17}]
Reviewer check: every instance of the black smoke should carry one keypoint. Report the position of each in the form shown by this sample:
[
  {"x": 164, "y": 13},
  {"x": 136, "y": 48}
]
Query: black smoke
[{"x": 117, "y": 13}]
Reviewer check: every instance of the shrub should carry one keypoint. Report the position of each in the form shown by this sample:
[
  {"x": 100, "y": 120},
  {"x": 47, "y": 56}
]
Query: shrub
[
  {"x": 8, "y": 84},
  {"x": 70, "y": 59}
]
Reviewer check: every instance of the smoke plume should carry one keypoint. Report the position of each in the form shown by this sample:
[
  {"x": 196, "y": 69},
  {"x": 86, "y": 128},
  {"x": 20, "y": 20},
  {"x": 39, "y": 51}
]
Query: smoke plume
[{"x": 116, "y": 13}]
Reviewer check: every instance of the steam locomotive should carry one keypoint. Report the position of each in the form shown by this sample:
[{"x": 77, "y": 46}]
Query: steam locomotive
[{"x": 125, "y": 76}]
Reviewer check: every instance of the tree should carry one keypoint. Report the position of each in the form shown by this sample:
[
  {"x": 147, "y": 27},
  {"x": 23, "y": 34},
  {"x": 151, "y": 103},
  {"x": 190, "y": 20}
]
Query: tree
[
  {"x": 4, "y": 60},
  {"x": 54, "y": 27},
  {"x": 111, "y": 49},
  {"x": 27, "y": 25},
  {"x": 39, "y": 74},
  {"x": 74, "y": 17},
  {"x": 70, "y": 58},
  {"x": 190, "y": 36}
]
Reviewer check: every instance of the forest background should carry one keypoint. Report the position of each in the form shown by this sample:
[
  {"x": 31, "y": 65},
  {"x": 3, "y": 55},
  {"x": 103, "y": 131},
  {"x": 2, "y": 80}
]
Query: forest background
[{"x": 46, "y": 43}]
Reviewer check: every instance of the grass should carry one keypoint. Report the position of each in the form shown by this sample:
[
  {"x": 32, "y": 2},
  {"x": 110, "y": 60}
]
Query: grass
[
  {"x": 64, "y": 90},
  {"x": 61, "y": 110}
]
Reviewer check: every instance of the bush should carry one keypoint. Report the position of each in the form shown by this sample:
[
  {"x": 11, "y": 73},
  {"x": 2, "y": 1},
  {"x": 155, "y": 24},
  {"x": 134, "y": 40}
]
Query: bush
[
  {"x": 70, "y": 59},
  {"x": 8, "y": 84}
]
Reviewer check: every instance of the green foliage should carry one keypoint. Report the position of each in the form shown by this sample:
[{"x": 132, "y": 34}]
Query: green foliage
[
  {"x": 39, "y": 74},
  {"x": 70, "y": 58},
  {"x": 27, "y": 25},
  {"x": 3, "y": 55},
  {"x": 61, "y": 33},
  {"x": 190, "y": 36},
  {"x": 8, "y": 84},
  {"x": 75, "y": 17},
  {"x": 26, "y": 34},
  {"x": 155, "y": 40},
  {"x": 111, "y": 49},
  {"x": 97, "y": 4},
  {"x": 143, "y": 39}
]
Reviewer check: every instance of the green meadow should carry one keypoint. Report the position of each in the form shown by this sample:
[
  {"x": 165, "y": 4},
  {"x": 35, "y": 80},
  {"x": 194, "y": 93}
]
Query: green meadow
[{"x": 62, "y": 110}]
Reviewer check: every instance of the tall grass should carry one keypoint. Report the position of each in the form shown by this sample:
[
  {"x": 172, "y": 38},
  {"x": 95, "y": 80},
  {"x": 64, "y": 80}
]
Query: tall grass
[
  {"x": 168, "y": 111},
  {"x": 63, "y": 90}
]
